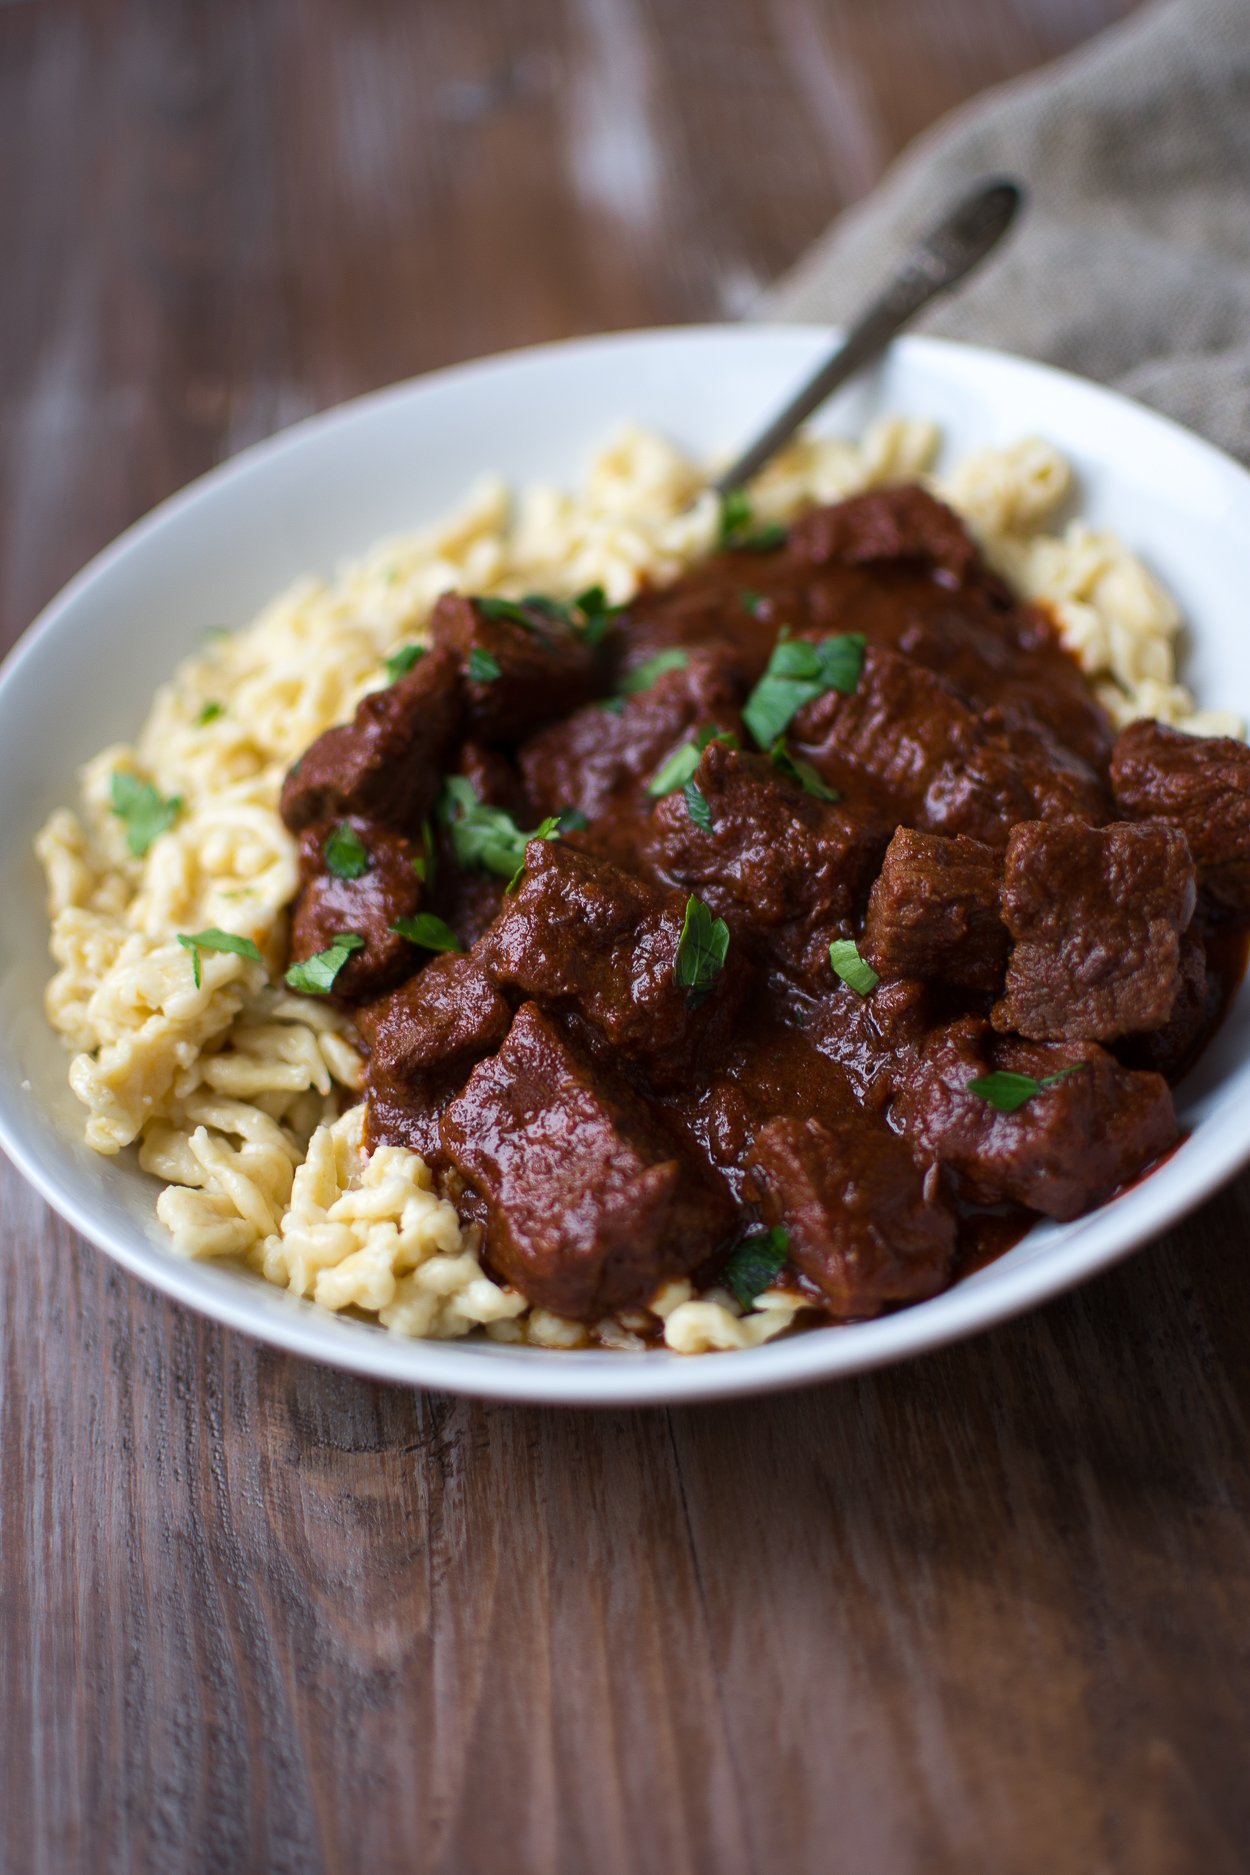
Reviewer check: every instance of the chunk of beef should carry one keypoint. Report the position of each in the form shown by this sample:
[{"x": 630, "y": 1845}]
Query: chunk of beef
[
  {"x": 934, "y": 912},
  {"x": 591, "y": 1202},
  {"x": 896, "y": 728},
  {"x": 783, "y": 868},
  {"x": 767, "y": 1072},
  {"x": 946, "y": 767},
  {"x": 388, "y": 889},
  {"x": 494, "y": 779},
  {"x": 863, "y": 1223},
  {"x": 1065, "y": 1150},
  {"x": 1200, "y": 784},
  {"x": 1174, "y": 1048},
  {"x": 600, "y": 759},
  {"x": 580, "y": 936},
  {"x": 1012, "y": 770},
  {"x": 1096, "y": 915},
  {"x": 719, "y": 607},
  {"x": 386, "y": 763},
  {"x": 424, "y": 1039},
  {"x": 874, "y": 1038},
  {"x": 902, "y": 523},
  {"x": 544, "y": 667}
]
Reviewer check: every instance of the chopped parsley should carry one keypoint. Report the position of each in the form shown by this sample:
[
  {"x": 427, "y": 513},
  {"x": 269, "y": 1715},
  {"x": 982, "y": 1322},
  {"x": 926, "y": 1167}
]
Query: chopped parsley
[
  {"x": 850, "y": 966},
  {"x": 483, "y": 668},
  {"x": 737, "y": 534},
  {"x": 800, "y": 771},
  {"x": 589, "y": 613},
  {"x": 754, "y": 1265},
  {"x": 642, "y": 678},
  {"x": 681, "y": 765},
  {"x": 423, "y": 864},
  {"x": 597, "y": 614},
  {"x": 697, "y": 806},
  {"x": 215, "y": 940},
  {"x": 549, "y": 829},
  {"x": 644, "y": 675},
  {"x": 428, "y": 931},
  {"x": 143, "y": 808},
  {"x": 315, "y": 976},
  {"x": 209, "y": 714},
  {"x": 517, "y": 610},
  {"x": 1007, "y": 1091},
  {"x": 572, "y": 820},
  {"x": 752, "y": 601},
  {"x": 701, "y": 952},
  {"x": 485, "y": 838},
  {"x": 401, "y": 662},
  {"x": 799, "y": 671},
  {"x": 345, "y": 853}
]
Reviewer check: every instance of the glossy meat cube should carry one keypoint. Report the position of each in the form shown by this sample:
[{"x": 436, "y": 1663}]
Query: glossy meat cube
[
  {"x": 591, "y": 1202},
  {"x": 785, "y": 868},
  {"x": 864, "y": 1224},
  {"x": 581, "y": 936},
  {"x": 1200, "y": 784},
  {"x": 1067, "y": 1148},
  {"x": 514, "y": 675},
  {"x": 387, "y": 762},
  {"x": 1096, "y": 916},
  {"x": 934, "y": 912},
  {"x": 387, "y": 890}
]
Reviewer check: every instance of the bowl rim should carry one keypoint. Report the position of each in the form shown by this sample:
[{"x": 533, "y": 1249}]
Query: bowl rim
[{"x": 600, "y": 1377}]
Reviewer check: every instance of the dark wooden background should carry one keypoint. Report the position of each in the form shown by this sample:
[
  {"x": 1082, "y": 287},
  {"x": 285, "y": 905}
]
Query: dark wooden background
[{"x": 987, "y": 1612}]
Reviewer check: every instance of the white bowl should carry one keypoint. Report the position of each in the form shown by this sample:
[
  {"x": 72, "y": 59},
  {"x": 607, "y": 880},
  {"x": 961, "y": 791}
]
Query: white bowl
[{"x": 84, "y": 674}]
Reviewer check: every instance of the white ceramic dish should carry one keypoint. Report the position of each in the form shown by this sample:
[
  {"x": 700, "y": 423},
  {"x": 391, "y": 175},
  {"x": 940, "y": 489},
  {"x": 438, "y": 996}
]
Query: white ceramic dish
[{"x": 84, "y": 674}]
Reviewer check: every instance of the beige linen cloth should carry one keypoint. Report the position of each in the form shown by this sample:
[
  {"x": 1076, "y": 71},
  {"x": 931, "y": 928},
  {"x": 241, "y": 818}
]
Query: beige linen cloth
[{"x": 1132, "y": 263}]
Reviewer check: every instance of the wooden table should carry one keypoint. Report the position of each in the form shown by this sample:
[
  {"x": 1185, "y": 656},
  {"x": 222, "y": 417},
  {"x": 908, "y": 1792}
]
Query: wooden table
[{"x": 989, "y": 1611}]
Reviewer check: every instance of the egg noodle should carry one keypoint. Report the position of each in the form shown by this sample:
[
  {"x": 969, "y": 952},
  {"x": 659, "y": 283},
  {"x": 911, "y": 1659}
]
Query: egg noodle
[{"x": 243, "y": 1098}]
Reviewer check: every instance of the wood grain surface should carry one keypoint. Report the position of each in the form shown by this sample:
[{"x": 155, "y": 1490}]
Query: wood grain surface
[{"x": 986, "y": 1612}]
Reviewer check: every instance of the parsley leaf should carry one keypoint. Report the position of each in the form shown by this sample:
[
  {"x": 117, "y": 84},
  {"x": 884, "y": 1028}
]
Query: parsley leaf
[
  {"x": 428, "y": 931},
  {"x": 483, "y": 668},
  {"x": 754, "y": 1264},
  {"x": 485, "y": 838},
  {"x": 401, "y": 662},
  {"x": 215, "y": 940},
  {"x": 597, "y": 614},
  {"x": 736, "y": 532},
  {"x": 680, "y": 766},
  {"x": 549, "y": 830},
  {"x": 850, "y": 966},
  {"x": 1007, "y": 1091},
  {"x": 513, "y": 609},
  {"x": 572, "y": 820},
  {"x": 735, "y": 514},
  {"x": 697, "y": 807},
  {"x": 800, "y": 771},
  {"x": 701, "y": 952},
  {"x": 145, "y": 811},
  {"x": 642, "y": 678},
  {"x": 423, "y": 864},
  {"x": 209, "y": 714},
  {"x": 316, "y": 974},
  {"x": 345, "y": 853},
  {"x": 799, "y": 671}
]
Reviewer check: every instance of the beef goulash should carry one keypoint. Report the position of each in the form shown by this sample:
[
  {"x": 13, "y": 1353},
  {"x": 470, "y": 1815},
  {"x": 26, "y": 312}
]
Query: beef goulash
[{"x": 801, "y": 923}]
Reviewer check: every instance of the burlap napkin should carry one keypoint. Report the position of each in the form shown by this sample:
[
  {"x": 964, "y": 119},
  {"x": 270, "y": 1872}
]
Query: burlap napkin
[{"x": 1132, "y": 264}]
